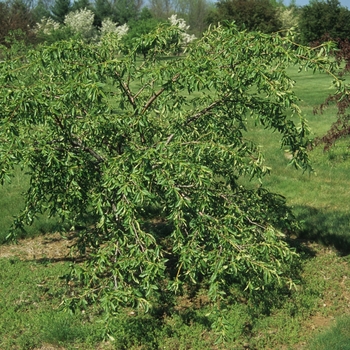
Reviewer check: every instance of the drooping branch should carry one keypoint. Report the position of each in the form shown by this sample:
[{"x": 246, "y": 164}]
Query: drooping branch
[
  {"x": 143, "y": 88},
  {"x": 77, "y": 142},
  {"x": 341, "y": 127}
]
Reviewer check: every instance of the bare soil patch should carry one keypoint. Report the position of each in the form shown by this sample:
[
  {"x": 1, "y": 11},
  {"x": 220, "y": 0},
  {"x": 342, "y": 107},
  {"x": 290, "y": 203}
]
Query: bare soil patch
[
  {"x": 50, "y": 347},
  {"x": 49, "y": 246}
]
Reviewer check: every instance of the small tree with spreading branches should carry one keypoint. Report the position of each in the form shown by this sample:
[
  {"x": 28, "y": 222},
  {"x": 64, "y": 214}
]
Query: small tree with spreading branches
[{"x": 145, "y": 161}]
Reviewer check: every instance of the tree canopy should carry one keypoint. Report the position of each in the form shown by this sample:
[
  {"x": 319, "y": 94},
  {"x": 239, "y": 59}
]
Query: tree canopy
[
  {"x": 324, "y": 18},
  {"x": 148, "y": 162},
  {"x": 248, "y": 14}
]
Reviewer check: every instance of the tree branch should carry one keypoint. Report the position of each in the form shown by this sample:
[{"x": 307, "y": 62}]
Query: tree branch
[
  {"x": 203, "y": 112},
  {"x": 79, "y": 143},
  {"x": 127, "y": 90},
  {"x": 159, "y": 92}
]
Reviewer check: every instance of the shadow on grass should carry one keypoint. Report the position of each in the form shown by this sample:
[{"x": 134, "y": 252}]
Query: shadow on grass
[{"x": 331, "y": 228}]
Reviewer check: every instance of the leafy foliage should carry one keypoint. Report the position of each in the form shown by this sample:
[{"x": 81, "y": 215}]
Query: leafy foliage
[
  {"x": 341, "y": 127},
  {"x": 248, "y": 14},
  {"x": 145, "y": 159},
  {"x": 324, "y": 17},
  {"x": 120, "y": 11},
  {"x": 15, "y": 17},
  {"x": 60, "y": 10}
]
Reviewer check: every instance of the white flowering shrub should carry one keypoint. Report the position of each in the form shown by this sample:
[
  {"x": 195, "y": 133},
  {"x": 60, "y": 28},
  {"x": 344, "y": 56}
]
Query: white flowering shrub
[
  {"x": 288, "y": 18},
  {"x": 181, "y": 24},
  {"x": 110, "y": 27},
  {"x": 81, "y": 22},
  {"x": 46, "y": 26},
  {"x": 122, "y": 30}
]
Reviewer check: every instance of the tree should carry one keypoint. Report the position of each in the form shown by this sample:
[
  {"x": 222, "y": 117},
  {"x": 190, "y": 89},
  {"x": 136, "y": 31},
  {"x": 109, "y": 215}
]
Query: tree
[
  {"x": 127, "y": 10},
  {"x": 145, "y": 161},
  {"x": 249, "y": 14},
  {"x": 81, "y": 5},
  {"x": 15, "y": 18},
  {"x": 119, "y": 11},
  {"x": 195, "y": 13},
  {"x": 161, "y": 9},
  {"x": 80, "y": 22},
  {"x": 287, "y": 17},
  {"x": 41, "y": 10},
  {"x": 60, "y": 9},
  {"x": 321, "y": 18},
  {"x": 103, "y": 9}
]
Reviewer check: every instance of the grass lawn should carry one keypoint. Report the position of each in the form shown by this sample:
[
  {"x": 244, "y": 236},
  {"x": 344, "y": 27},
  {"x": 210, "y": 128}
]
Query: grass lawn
[{"x": 31, "y": 287}]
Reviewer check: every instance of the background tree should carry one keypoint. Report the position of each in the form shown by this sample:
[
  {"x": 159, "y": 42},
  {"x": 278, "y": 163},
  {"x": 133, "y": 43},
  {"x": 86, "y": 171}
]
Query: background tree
[
  {"x": 161, "y": 9},
  {"x": 81, "y": 5},
  {"x": 41, "y": 10},
  {"x": 324, "y": 17},
  {"x": 127, "y": 10},
  {"x": 195, "y": 13},
  {"x": 16, "y": 17},
  {"x": 80, "y": 22},
  {"x": 60, "y": 9},
  {"x": 103, "y": 9},
  {"x": 249, "y": 14},
  {"x": 288, "y": 17}
]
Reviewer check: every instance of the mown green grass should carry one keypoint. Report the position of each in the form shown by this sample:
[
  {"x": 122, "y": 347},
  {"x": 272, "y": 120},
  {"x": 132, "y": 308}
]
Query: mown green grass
[
  {"x": 320, "y": 199},
  {"x": 335, "y": 338},
  {"x": 12, "y": 201},
  {"x": 31, "y": 290},
  {"x": 30, "y": 297}
]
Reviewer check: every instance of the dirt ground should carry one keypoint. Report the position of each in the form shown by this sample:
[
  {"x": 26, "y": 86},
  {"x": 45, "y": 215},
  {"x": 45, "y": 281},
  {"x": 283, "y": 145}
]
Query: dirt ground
[{"x": 50, "y": 246}]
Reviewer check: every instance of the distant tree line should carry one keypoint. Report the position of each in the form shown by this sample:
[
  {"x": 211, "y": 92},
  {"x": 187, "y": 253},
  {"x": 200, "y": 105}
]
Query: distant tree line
[
  {"x": 24, "y": 14},
  {"x": 315, "y": 22}
]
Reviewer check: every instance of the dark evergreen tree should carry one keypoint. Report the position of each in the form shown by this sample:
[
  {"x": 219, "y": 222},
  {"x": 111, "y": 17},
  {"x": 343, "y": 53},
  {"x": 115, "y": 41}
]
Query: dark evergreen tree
[
  {"x": 103, "y": 9},
  {"x": 125, "y": 10},
  {"x": 321, "y": 18},
  {"x": 252, "y": 15},
  {"x": 41, "y": 10},
  {"x": 81, "y": 4},
  {"x": 60, "y": 10}
]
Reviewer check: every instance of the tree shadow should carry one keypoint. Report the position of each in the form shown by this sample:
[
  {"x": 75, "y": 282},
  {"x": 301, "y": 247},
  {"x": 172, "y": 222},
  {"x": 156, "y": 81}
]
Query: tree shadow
[{"x": 328, "y": 227}]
